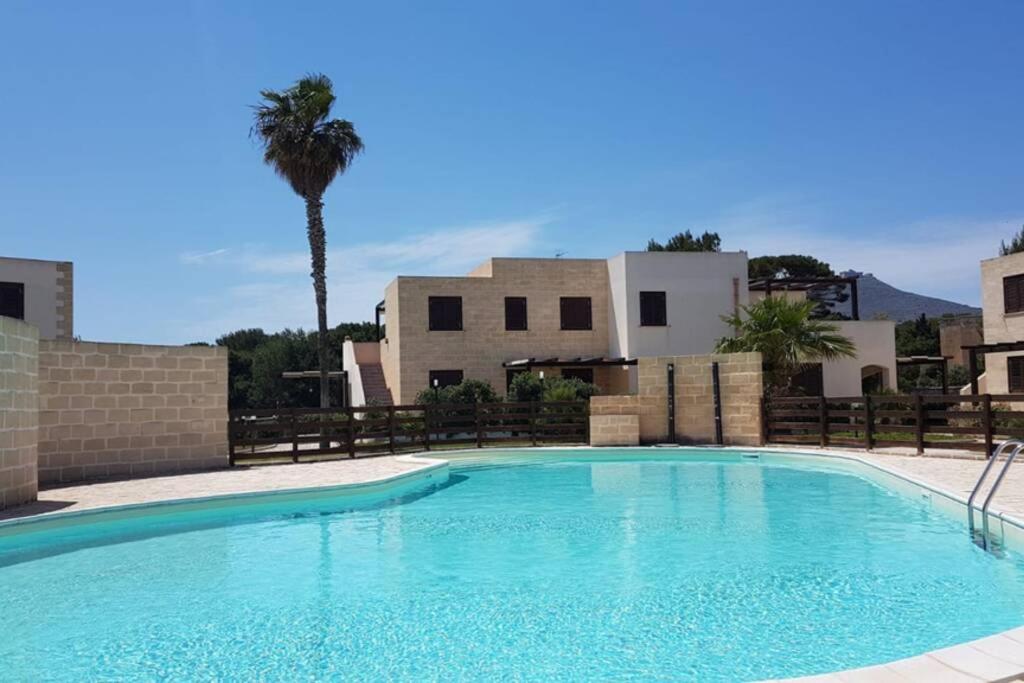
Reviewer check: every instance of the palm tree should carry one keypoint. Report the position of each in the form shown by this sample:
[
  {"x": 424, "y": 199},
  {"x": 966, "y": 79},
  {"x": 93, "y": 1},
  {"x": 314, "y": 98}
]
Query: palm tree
[
  {"x": 308, "y": 150},
  {"x": 787, "y": 338}
]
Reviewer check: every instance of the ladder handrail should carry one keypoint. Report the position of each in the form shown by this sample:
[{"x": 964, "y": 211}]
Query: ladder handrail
[
  {"x": 992, "y": 494},
  {"x": 984, "y": 475}
]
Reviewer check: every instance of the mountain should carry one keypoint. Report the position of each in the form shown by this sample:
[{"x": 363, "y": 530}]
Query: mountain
[{"x": 878, "y": 299}]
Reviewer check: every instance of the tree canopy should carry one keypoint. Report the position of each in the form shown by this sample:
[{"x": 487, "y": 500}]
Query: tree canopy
[
  {"x": 685, "y": 241},
  {"x": 256, "y": 360},
  {"x": 787, "y": 265},
  {"x": 1015, "y": 246}
]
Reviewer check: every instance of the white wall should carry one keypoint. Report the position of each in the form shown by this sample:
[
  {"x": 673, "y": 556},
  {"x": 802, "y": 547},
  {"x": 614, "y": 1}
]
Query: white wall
[
  {"x": 876, "y": 345},
  {"x": 699, "y": 289},
  {"x": 356, "y": 397},
  {"x": 41, "y": 291}
]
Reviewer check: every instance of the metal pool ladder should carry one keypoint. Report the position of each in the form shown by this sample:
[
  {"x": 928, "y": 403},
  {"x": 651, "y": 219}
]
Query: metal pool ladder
[{"x": 983, "y": 539}]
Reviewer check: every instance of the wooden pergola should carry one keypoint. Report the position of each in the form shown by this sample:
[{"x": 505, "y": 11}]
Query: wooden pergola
[
  {"x": 803, "y": 284},
  {"x": 974, "y": 350},
  {"x": 941, "y": 361}
]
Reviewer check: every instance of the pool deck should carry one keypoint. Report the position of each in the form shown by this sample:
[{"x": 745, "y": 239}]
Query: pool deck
[{"x": 996, "y": 658}]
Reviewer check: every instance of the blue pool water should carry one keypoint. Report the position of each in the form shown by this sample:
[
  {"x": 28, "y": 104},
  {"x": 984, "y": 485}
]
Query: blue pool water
[{"x": 568, "y": 567}]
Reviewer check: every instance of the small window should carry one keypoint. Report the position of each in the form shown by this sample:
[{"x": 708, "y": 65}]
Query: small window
[
  {"x": 582, "y": 374},
  {"x": 445, "y": 378},
  {"x": 576, "y": 313},
  {"x": 1015, "y": 374},
  {"x": 12, "y": 300},
  {"x": 1013, "y": 294},
  {"x": 445, "y": 313},
  {"x": 652, "y": 309},
  {"x": 515, "y": 313}
]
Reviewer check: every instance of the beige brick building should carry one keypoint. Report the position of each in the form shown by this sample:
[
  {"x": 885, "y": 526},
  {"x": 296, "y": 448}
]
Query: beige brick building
[
  {"x": 589, "y": 318},
  {"x": 39, "y": 292},
  {"x": 556, "y": 316},
  {"x": 1002, "y": 303}
]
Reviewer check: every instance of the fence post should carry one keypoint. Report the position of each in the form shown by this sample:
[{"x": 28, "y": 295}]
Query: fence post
[
  {"x": 391, "y": 428},
  {"x": 295, "y": 435},
  {"x": 426, "y": 426},
  {"x": 586, "y": 422},
  {"x": 479, "y": 433},
  {"x": 869, "y": 424},
  {"x": 764, "y": 420},
  {"x": 823, "y": 421},
  {"x": 533, "y": 422},
  {"x": 986, "y": 403},
  {"x": 231, "y": 441},
  {"x": 351, "y": 431},
  {"x": 919, "y": 410}
]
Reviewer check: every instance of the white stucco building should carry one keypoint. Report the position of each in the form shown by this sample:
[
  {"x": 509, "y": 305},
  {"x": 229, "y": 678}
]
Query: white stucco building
[{"x": 40, "y": 293}]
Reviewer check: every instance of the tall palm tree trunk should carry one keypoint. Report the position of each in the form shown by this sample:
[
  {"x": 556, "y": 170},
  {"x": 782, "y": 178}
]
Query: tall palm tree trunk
[{"x": 318, "y": 252}]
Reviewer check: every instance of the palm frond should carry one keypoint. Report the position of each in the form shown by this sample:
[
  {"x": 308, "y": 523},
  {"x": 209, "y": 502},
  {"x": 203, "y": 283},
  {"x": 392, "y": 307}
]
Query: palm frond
[{"x": 299, "y": 142}]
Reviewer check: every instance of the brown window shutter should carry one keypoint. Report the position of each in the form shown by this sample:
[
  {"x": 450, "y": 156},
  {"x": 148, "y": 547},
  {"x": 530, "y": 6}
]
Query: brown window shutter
[{"x": 1013, "y": 294}]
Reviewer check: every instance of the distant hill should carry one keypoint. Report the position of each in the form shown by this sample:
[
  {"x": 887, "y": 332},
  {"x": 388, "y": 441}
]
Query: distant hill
[{"x": 878, "y": 298}]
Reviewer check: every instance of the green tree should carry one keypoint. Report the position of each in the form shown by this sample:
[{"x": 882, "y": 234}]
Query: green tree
[
  {"x": 1015, "y": 246},
  {"x": 277, "y": 353},
  {"x": 787, "y": 338},
  {"x": 685, "y": 241},
  {"x": 918, "y": 337},
  {"x": 308, "y": 151},
  {"x": 826, "y": 297},
  {"x": 787, "y": 265}
]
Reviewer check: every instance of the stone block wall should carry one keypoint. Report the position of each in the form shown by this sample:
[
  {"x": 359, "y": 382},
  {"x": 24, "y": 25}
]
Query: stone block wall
[
  {"x": 112, "y": 410},
  {"x": 741, "y": 384},
  {"x": 614, "y": 430},
  {"x": 19, "y": 416}
]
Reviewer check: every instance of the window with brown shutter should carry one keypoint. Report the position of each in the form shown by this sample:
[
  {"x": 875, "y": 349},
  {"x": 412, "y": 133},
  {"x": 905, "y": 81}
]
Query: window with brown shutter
[
  {"x": 12, "y": 299},
  {"x": 1015, "y": 374},
  {"x": 445, "y": 378},
  {"x": 653, "y": 309},
  {"x": 515, "y": 313},
  {"x": 576, "y": 314},
  {"x": 1013, "y": 294},
  {"x": 445, "y": 313}
]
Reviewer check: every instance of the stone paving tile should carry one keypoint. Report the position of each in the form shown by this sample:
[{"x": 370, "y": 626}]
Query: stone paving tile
[{"x": 214, "y": 483}]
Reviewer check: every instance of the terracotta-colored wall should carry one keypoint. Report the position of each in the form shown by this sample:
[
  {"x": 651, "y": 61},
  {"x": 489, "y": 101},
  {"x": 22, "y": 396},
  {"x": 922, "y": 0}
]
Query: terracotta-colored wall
[{"x": 129, "y": 410}]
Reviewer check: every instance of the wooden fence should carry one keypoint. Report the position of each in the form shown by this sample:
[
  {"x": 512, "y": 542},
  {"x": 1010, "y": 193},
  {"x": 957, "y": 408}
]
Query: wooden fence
[
  {"x": 275, "y": 434},
  {"x": 973, "y": 421}
]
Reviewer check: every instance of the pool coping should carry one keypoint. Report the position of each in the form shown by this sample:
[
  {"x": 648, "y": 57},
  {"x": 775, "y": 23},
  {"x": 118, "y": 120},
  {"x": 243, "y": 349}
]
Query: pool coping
[{"x": 998, "y": 657}]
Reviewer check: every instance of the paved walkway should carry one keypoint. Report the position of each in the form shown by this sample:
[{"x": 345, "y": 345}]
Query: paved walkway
[{"x": 218, "y": 482}]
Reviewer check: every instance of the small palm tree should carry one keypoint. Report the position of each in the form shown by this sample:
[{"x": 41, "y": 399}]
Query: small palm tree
[
  {"x": 787, "y": 338},
  {"x": 309, "y": 151}
]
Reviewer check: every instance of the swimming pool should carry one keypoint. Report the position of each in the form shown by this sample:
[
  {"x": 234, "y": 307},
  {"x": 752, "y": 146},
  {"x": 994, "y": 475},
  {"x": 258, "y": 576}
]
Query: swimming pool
[{"x": 573, "y": 564}]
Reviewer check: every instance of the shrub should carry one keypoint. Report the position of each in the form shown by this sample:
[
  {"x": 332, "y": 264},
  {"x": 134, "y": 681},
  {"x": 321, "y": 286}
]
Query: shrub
[
  {"x": 566, "y": 389},
  {"x": 526, "y": 386},
  {"x": 467, "y": 391}
]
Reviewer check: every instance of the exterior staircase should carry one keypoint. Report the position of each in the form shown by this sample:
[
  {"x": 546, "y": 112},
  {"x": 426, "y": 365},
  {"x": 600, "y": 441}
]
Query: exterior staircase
[{"x": 375, "y": 389}]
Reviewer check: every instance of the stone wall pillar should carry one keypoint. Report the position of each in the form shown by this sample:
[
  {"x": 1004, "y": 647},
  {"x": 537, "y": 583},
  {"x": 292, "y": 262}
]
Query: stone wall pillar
[{"x": 19, "y": 412}]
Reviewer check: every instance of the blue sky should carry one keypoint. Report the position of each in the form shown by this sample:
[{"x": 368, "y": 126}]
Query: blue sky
[{"x": 881, "y": 136}]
